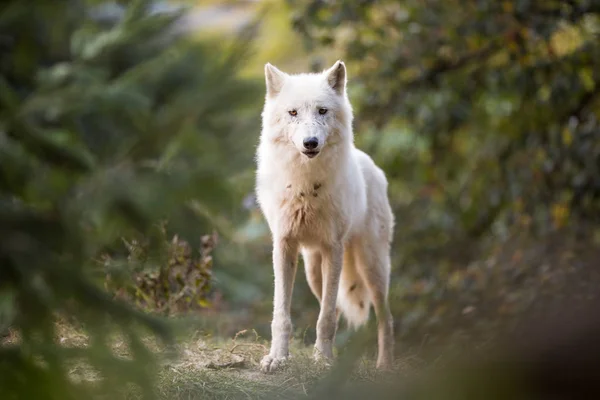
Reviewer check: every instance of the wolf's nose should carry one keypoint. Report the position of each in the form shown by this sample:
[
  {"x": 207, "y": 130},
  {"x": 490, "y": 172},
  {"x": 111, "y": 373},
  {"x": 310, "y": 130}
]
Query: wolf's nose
[{"x": 311, "y": 143}]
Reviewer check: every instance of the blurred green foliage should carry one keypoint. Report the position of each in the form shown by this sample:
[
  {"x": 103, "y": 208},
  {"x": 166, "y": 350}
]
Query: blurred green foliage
[
  {"x": 490, "y": 109},
  {"x": 485, "y": 117},
  {"x": 108, "y": 124}
]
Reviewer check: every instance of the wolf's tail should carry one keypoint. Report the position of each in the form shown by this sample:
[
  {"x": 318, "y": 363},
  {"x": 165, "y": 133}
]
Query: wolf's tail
[{"x": 354, "y": 300}]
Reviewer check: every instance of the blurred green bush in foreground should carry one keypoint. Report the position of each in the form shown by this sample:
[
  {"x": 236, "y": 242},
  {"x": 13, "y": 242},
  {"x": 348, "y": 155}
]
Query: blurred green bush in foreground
[{"x": 108, "y": 124}]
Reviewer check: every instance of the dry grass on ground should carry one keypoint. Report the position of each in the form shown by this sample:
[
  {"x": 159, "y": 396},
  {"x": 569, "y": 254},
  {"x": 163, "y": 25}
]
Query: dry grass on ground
[{"x": 205, "y": 367}]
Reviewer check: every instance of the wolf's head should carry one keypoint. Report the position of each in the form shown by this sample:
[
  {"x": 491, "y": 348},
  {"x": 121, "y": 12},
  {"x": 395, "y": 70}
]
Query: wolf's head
[{"x": 310, "y": 111}]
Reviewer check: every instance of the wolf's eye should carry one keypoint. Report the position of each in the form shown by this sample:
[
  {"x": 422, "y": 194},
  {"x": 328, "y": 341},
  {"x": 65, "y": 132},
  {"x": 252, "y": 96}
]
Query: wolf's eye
[
  {"x": 322, "y": 111},
  {"x": 293, "y": 113}
]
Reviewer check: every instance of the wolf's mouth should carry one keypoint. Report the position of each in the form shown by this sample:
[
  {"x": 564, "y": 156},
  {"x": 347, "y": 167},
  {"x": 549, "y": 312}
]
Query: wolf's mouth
[{"x": 310, "y": 154}]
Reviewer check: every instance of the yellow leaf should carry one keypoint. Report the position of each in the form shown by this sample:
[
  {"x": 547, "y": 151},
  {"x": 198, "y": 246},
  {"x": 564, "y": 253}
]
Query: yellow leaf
[
  {"x": 203, "y": 303},
  {"x": 544, "y": 93},
  {"x": 587, "y": 78},
  {"x": 508, "y": 6},
  {"x": 560, "y": 214},
  {"x": 567, "y": 136}
]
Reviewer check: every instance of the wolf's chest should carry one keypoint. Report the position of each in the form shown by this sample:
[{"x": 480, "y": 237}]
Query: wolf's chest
[
  {"x": 303, "y": 199},
  {"x": 304, "y": 207}
]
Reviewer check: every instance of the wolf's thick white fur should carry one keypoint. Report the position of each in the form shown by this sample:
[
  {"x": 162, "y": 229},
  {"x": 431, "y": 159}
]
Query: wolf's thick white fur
[{"x": 332, "y": 207}]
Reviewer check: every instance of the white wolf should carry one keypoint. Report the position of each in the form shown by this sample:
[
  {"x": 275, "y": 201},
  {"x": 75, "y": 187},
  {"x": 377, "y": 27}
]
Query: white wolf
[{"x": 323, "y": 197}]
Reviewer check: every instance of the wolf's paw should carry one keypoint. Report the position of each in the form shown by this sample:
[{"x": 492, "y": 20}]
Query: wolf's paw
[
  {"x": 385, "y": 365},
  {"x": 271, "y": 364},
  {"x": 321, "y": 360}
]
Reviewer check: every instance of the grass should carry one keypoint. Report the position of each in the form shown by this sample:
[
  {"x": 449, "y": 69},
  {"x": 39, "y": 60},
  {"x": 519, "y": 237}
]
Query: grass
[
  {"x": 207, "y": 367},
  {"x": 214, "y": 368}
]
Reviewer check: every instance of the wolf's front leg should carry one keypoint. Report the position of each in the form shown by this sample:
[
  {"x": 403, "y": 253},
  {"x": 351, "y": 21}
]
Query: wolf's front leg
[
  {"x": 327, "y": 322},
  {"x": 285, "y": 257}
]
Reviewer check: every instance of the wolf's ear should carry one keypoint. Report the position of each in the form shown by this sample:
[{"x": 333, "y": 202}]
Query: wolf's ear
[
  {"x": 336, "y": 77},
  {"x": 275, "y": 79}
]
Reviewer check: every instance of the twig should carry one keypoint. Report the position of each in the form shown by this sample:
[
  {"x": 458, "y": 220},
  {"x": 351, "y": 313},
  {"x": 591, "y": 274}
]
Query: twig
[{"x": 247, "y": 344}]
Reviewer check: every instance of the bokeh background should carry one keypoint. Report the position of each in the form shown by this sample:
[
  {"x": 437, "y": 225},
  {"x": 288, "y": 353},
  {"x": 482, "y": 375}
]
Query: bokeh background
[{"x": 127, "y": 139}]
